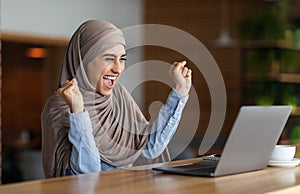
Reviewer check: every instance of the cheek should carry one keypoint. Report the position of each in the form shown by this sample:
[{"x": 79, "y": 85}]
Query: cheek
[
  {"x": 123, "y": 68},
  {"x": 94, "y": 73}
]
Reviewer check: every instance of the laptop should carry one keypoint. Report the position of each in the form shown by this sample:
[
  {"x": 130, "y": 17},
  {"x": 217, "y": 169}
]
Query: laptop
[{"x": 249, "y": 146}]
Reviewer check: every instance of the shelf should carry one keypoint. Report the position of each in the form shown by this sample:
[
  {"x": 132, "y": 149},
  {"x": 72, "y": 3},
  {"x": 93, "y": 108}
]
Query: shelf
[
  {"x": 275, "y": 74},
  {"x": 289, "y": 78},
  {"x": 262, "y": 44},
  {"x": 281, "y": 77}
]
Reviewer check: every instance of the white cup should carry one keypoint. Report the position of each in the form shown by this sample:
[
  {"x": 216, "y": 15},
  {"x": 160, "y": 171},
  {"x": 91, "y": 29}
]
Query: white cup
[{"x": 283, "y": 152}]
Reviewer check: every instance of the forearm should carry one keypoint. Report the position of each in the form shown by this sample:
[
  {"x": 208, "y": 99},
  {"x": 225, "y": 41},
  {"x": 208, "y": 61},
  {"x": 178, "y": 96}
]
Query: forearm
[
  {"x": 164, "y": 127},
  {"x": 84, "y": 157}
]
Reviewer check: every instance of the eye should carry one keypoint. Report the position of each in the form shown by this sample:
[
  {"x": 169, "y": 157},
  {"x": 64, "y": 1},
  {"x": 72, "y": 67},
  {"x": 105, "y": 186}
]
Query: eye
[
  {"x": 109, "y": 59},
  {"x": 123, "y": 59}
]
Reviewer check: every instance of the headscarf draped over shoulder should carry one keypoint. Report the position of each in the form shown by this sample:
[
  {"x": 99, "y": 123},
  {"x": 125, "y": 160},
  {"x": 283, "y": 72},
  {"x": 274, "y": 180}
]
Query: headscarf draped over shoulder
[{"x": 119, "y": 127}]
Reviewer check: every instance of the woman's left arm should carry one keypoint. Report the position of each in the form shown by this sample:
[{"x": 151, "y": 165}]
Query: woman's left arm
[{"x": 164, "y": 127}]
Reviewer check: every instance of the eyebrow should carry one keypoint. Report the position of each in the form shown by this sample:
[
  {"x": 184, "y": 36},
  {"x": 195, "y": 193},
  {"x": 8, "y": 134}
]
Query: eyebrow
[{"x": 113, "y": 55}]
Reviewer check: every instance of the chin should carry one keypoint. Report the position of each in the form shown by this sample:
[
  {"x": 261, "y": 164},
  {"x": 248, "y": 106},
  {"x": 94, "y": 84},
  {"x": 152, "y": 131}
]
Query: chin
[{"x": 105, "y": 93}]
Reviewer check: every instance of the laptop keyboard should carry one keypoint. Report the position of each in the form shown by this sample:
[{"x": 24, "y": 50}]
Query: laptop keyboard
[
  {"x": 198, "y": 165},
  {"x": 202, "y": 168}
]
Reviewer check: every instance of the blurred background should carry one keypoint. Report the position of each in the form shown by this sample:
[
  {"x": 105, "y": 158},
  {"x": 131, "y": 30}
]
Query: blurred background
[{"x": 256, "y": 44}]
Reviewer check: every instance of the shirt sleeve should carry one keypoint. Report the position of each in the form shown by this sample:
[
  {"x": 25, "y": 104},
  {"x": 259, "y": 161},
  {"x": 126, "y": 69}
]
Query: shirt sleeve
[
  {"x": 85, "y": 157},
  {"x": 164, "y": 127}
]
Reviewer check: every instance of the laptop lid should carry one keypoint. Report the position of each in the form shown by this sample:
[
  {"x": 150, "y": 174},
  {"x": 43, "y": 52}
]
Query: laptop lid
[{"x": 252, "y": 139}]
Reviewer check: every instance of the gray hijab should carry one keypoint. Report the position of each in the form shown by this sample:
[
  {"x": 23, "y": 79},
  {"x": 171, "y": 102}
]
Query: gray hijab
[{"x": 119, "y": 127}]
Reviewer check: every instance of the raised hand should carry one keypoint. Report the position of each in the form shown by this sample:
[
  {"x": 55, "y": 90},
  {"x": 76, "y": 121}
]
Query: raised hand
[
  {"x": 182, "y": 77},
  {"x": 70, "y": 92}
]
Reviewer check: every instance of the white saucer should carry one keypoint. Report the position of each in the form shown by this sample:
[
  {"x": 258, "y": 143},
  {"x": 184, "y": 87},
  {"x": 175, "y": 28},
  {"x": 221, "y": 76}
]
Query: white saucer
[{"x": 291, "y": 163}]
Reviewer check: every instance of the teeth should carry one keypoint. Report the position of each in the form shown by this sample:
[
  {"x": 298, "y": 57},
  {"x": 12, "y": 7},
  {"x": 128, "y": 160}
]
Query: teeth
[{"x": 109, "y": 77}]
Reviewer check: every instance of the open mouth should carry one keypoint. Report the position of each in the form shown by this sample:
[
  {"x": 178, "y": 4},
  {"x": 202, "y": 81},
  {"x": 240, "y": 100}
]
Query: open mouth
[{"x": 109, "y": 81}]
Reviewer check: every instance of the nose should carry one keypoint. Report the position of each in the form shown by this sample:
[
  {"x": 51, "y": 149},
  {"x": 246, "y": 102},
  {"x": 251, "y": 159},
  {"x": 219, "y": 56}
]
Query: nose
[{"x": 118, "y": 66}]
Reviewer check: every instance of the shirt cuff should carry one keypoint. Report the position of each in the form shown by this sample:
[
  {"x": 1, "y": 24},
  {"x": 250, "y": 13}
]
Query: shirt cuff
[
  {"x": 176, "y": 100},
  {"x": 81, "y": 120}
]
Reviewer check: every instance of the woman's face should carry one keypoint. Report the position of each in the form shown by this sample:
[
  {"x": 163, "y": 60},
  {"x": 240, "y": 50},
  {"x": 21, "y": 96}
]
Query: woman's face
[{"x": 104, "y": 70}]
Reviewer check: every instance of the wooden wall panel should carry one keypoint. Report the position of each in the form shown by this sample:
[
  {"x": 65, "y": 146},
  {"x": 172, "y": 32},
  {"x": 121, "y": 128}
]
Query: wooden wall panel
[
  {"x": 202, "y": 20},
  {"x": 21, "y": 91},
  {"x": 0, "y": 111},
  {"x": 26, "y": 85}
]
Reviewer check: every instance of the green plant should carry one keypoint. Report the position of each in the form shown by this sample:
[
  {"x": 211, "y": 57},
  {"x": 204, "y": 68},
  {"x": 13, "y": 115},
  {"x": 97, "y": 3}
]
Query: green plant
[
  {"x": 269, "y": 24},
  {"x": 290, "y": 95},
  {"x": 263, "y": 26},
  {"x": 295, "y": 134},
  {"x": 290, "y": 59},
  {"x": 264, "y": 93},
  {"x": 259, "y": 63}
]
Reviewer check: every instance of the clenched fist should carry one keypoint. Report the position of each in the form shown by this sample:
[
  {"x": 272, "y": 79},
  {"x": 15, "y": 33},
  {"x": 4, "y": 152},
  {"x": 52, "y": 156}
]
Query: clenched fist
[
  {"x": 70, "y": 92},
  {"x": 182, "y": 77}
]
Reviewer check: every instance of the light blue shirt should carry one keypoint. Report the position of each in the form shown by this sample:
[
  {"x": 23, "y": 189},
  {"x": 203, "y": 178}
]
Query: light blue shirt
[{"x": 85, "y": 157}]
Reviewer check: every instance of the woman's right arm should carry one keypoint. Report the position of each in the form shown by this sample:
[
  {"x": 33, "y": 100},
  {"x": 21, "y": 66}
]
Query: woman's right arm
[{"x": 85, "y": 156}]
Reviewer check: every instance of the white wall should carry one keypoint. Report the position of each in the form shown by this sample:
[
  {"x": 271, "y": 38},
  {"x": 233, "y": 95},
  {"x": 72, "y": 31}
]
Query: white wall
[{"x": 60, "y": 18}]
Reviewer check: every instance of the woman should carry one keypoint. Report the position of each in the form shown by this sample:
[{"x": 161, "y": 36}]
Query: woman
[{"x": 91, "y": 123}]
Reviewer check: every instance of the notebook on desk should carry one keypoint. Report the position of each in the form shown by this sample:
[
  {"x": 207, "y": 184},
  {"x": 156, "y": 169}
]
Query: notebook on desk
[{"x": 251, "y": 141}]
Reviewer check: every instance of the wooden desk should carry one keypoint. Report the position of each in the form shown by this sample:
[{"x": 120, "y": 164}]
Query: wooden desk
[{"x": 144, "y": 180}]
